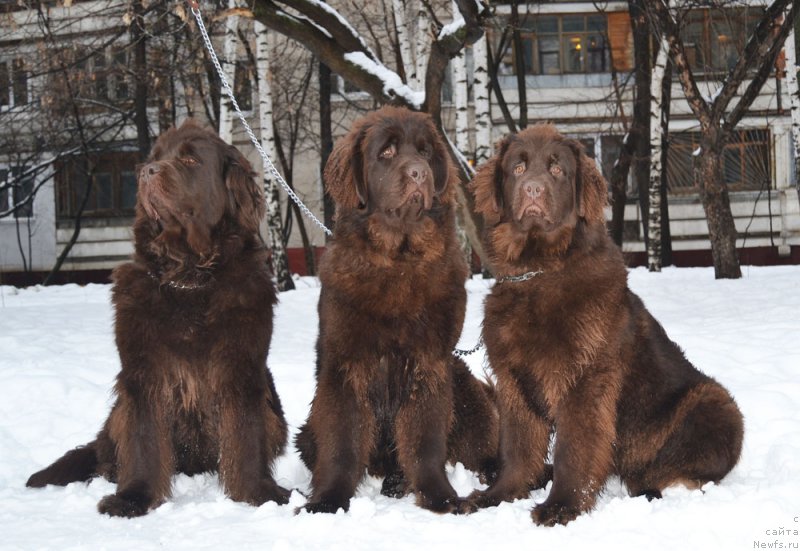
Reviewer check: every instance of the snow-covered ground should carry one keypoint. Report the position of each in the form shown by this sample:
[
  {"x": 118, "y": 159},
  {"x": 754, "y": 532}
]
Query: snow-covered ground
[{"x": 58, "y": 361}]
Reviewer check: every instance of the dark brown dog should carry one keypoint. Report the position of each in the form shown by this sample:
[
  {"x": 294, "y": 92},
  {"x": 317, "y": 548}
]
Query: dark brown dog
[
  {"x": 193, "y": 327},
  {"x": 390, "y": 396},
  {"x": 575, "y": 351}
]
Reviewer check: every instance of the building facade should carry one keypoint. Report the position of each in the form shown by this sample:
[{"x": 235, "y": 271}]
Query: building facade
[{"x": 577, "y": 61}]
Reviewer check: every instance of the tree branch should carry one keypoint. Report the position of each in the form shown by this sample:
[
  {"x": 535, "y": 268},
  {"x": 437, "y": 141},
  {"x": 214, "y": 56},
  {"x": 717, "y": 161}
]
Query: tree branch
[
  {"x": 767, "y": 60},
  {"x": 661, "y": 16},
  {"x": 754, "y": 51}
]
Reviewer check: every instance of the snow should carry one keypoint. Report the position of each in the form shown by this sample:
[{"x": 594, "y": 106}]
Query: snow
[
  {"x": 58, "y": 363},
  {"x": 392, "y": 83},
  {"x": 453, "y": 27}
]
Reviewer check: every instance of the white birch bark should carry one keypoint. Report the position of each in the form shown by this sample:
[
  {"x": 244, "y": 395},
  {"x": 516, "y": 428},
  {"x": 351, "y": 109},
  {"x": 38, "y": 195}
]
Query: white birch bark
[
  {"x": 229, "y": 66},
  {"x": 480, "y": 92},
  {"x": 654, "y": 216},
  {"x": 403, "y": 40},
  {"x": 280, "y": 261},
  {"x": 422, "y": 43},
  {"x": 460, "y": 96},
  {"x": 794, "y": 102}
]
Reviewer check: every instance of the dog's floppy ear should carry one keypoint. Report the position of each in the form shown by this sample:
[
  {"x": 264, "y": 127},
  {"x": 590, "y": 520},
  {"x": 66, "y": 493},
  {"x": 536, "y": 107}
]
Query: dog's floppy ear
[
  {"x": 344, "y": 171},
  {"x": 246, "y": 199},
  {"x": 591, "y": 190},
  {"x": 440, "y": 163},
  {"x": 487, "y": 186}
]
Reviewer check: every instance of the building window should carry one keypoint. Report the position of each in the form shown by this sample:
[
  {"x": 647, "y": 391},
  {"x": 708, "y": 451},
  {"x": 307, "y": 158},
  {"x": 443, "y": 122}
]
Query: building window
[
  {"x": 13, "y": 84},
  {"x": 714, "y": 39},
  {"x": 561, "y": 44},
  {"x": 112, "y": 182},
  {"x": 16, "y": 193},
  {"x": 101, "y": 75},
  {"x": 746, "y": 161}
]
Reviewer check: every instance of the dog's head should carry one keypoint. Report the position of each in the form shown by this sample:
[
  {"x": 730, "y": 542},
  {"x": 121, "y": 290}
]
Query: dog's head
[
  {"x": 191, "y": 182},
  {"x": 392, "y": 163},
  {"x": 539, "y": 183}
]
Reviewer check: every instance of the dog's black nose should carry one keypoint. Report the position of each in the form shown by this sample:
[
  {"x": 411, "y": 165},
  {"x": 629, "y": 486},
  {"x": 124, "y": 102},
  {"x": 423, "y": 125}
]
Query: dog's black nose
[
  {"x": 533, "y": 189},
  {"x": 417, "y": 172}
]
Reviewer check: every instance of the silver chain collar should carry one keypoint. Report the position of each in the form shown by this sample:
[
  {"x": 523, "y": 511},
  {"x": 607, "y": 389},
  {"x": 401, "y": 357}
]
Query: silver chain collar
[
  {"x": 512, "y": 279},
  {"x": 517, "y": 278}
]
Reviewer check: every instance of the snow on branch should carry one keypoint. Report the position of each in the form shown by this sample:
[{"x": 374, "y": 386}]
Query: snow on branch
[{"x": 393, "y": 85}]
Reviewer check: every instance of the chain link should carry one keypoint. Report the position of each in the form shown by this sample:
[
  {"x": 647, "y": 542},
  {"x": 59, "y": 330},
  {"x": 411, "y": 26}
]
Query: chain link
[
  {"x": 461, "y": 353},
  {"x": 267, "y": 162}
]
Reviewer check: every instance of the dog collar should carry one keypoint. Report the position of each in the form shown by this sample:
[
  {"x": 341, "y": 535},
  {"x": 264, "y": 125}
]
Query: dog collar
[
  {"x": 177, "y": 285},
  {"x": 517, "y": 278}
]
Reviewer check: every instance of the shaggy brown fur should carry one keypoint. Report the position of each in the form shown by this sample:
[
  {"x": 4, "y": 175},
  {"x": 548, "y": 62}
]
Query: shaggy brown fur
[
  {"x": 390, "y": 396},
  {"x": 575, "y": 351},
  {"x": 193, "y": 327}
]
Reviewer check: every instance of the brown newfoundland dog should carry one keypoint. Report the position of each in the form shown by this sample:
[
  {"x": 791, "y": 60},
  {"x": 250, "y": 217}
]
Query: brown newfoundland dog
[
  {"x": 193, "y": 327},
  {"x": 576, "y": 352},
  {"x": 391, "y": 399}
]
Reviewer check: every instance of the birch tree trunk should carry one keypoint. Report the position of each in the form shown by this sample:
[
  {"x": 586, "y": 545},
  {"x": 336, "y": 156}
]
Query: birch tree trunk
[
  {"x": 459, "y": 74},
  {"x": 280, "y": 261},
  {"x": 794, "y": 95},
  {"x": 421, "y": 44},
  {"x": 404, "y": 42},
  {"x": 229, "y": 66},
  {"x": 480, "y": 94},
  {"x": 654, "y": 217}
]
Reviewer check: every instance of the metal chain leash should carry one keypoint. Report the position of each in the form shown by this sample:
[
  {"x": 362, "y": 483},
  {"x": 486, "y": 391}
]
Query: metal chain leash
[
  {"x": 195, "y": 8},
  {"x": 462, "y": 353},
  {"x": 513, "y": 279}
]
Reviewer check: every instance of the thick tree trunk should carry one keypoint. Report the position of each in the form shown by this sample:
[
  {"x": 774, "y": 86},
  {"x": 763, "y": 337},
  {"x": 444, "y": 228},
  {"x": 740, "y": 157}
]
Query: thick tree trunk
[
  {"x": 717, "y": 206},
  {"x": 280, "y": 260}
]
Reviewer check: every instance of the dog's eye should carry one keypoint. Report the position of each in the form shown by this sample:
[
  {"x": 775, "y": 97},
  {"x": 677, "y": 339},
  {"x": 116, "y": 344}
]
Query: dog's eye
[
  {"x": 425, "y": 151},
  {"x": 188, "y": 161},
  {"x": 519, "y": 168},
  {"x": 389, "y": 152},
  {"x": 555, "y": 170}
]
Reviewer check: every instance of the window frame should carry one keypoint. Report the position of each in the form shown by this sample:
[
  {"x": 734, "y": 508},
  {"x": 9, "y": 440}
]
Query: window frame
[
  {"x": 534, "y": 39},
  {"x": 70, "y": 186},
  {"x": 9, "y": 198},
  {"x": 14, "y": 78}
]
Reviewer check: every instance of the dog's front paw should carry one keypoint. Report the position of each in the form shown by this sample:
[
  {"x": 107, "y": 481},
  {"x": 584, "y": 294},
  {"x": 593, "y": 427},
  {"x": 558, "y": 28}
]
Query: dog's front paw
[
  {"x": 481, "y": 499},
  {"x": 268, "y": 490},
  {"x": 122, "y": 505},
  {"x": 395, "y": 485},
  {"x": 323, "y": 507},
  {"x": 550, "y": 514}
]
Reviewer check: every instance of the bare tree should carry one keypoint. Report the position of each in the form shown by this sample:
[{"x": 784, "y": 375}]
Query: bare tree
[{"x": 718, "y": 115}]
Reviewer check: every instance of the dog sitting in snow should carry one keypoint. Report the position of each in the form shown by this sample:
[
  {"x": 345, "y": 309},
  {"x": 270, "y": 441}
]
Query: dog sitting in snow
[{"x": 193, "y": 327}]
